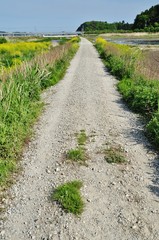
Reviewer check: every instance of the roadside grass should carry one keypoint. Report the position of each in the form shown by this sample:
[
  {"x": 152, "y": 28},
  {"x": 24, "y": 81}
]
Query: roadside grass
[
  {"x": 20, "y": 103},
  {"x": 138, "y": 73},
  {"x": 69, "y": 197},
  {"x": 79, "y": 154},
  {"x": 115, "y": 154},
  {"x": 13, "y": 54}
]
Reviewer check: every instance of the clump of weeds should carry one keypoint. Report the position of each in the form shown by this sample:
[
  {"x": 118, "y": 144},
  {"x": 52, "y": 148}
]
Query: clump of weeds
[
  {"x": 82, "y": 138},
  {"x": 79, "y": 154},
  {"x": 69, "y": 197},
  {"x": 115, "y": 154}
]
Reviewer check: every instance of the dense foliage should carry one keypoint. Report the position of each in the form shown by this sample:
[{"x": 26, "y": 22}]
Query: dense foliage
[
  {"x": 145, "y": 21},
  {"x": 148, "y": 20},
  {"x": 98, "y": 26},
  {"x": 140, "y": 93},
  {"x": 2, "y": 40}
]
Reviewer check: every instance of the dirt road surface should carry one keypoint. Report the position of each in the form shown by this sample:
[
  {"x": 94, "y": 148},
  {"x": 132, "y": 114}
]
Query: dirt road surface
[{"x": 121, "y": 201}]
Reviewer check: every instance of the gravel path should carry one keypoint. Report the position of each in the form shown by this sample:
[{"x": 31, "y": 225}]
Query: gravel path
[{"x": 121, "y": 201}]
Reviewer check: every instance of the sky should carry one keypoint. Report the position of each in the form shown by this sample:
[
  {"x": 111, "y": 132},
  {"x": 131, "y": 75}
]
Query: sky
[{"x": 66, "y": 15}]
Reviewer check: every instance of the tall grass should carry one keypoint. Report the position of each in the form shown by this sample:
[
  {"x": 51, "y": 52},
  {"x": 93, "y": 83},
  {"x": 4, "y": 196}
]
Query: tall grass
[
  {"x": 20, "y": 102},
  {"x": 138, "y": 84}
]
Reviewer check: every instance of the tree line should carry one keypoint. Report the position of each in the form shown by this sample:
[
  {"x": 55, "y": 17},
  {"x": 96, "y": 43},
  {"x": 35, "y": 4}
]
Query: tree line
[{"x": 145, "y": 21}]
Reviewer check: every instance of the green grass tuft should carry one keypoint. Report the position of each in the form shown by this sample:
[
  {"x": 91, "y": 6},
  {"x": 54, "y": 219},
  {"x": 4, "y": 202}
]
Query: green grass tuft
[
  {"x": 69, "y": 197},
  {"x": 77, "y": 155},
  {"x": 82, "y": 138}
]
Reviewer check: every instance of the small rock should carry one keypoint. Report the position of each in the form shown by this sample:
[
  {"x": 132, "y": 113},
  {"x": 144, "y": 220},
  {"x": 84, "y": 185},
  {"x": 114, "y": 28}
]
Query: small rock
[
  {"x": 2, "y": 233},
  {"x": 48, "y": 171},
  {"x": 88, "y": 200},
  {"x": 113, "y": 183},
  {"x": 134, "y": 227}
]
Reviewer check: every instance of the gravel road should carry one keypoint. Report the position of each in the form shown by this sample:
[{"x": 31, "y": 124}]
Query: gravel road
[{"x": 121, "y": 201}]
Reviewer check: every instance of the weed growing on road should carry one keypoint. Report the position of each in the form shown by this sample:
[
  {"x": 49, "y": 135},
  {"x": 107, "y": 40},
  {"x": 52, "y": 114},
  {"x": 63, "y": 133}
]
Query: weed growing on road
[
  {"x": 69, "y": 197},
  {"x": 82, "y": 138},
  {"x": 115, "y": 155},
  {"x": 79, "y": 154}
]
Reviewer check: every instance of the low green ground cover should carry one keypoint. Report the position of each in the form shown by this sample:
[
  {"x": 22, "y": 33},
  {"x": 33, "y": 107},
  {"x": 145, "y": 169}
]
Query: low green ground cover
[{"x": 69, "y": 197}]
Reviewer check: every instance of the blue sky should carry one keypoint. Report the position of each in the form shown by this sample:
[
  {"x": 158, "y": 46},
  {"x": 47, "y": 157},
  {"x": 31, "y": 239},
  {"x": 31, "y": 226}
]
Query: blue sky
[{"x": 66, "y": 15}]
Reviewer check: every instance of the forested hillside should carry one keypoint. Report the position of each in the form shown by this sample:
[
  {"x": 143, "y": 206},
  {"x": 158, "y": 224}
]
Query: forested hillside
[
  {"x": 148, "y": 20},
  {"x": 99, "y": 26}
]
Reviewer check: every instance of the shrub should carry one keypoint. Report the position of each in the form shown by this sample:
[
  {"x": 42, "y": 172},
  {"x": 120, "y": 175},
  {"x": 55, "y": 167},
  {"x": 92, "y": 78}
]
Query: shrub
[
  {"x": 3, "y": 40},
  {"x": 142, "y": 96},
  {"x": 153, "y": 129}
]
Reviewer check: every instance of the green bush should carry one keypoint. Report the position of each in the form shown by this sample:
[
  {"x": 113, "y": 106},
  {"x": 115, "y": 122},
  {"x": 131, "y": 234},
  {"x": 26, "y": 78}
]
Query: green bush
[
  {"x": 142, "y": 96},
  {"x": 3, "y": 40},
  {"x": 153, "y": 129}
]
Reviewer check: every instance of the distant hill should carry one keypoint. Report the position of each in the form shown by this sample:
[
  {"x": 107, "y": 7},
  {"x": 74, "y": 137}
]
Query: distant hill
[
  {"x": 99, "y": 26},
  {"x": 148, "y": 20}
]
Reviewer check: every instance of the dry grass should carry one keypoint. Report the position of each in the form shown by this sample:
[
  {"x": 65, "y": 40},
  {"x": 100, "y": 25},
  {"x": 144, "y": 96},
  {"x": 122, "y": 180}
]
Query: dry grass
[{"x": 149, "y": 67}]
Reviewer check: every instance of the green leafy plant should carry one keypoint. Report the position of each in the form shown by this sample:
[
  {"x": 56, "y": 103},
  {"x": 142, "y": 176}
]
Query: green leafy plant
[
  {"x": 153, "y": 129},
  {"x": 69, "y": 197}
]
